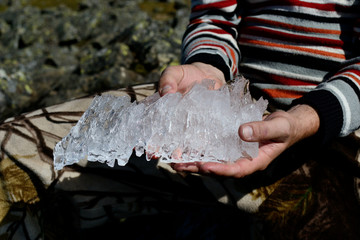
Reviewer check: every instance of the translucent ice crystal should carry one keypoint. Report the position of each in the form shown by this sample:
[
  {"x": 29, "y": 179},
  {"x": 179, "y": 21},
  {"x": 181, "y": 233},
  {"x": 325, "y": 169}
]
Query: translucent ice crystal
[{"x": 201, "y": 125}]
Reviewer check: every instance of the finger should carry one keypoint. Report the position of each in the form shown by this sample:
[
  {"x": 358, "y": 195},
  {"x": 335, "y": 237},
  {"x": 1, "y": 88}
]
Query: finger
[
  {"x": 187, "y": 167},
  {"x": 239, "y": 169},
  {"x": 220, "y": 169},
  {"x": 242, "y": 167},
  {"x": 170, "y": 79},
  {"x": 275, "y": 129}
]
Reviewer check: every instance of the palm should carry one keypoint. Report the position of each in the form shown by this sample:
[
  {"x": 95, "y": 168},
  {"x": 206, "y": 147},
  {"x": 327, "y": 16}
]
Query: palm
[{"x": 242, "y": 167}]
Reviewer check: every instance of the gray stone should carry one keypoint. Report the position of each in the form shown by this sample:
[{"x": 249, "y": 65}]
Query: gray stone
[{"x": 61, "y": 49}]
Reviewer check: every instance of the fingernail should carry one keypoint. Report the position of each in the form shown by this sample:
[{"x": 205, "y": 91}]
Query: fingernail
[
  {"x": 247, "y": 132},
  {"x": 165, "y": 90}
]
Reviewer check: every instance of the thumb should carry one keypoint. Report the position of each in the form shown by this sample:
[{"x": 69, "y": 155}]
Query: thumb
[
  {"x": 169, "y": 80},
  {"x": 274, "y": 129}
]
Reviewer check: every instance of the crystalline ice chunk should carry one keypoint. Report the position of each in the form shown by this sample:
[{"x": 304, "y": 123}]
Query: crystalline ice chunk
[{"x": 202, "y": 125}]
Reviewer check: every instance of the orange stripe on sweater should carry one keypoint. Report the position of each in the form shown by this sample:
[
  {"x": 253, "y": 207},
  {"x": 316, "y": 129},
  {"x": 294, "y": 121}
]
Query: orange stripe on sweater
[
  {"x": 347, "y": 74},
  {"x": 302, "y": 49},
  {"x": 282, "y": 93},
  {"x": 291, "y": 81},
  {"x": 352, "y": 77},
  {"x": 292, "y": 26}
]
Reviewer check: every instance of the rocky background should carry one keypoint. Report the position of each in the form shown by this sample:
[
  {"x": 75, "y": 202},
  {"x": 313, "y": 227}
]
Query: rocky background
[{"x": 55, "y": 50}]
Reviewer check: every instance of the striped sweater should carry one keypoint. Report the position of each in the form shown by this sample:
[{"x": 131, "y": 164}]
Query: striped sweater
[{"x": 302, "y": 50}]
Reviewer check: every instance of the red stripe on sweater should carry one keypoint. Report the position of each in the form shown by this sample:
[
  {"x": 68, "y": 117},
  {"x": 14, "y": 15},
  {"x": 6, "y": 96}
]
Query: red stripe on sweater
[
  {"x": 282, "y": 93},
  {"x": 210, "y": 43},
  {"x": 331, "y": 7},
  {"x": 214, "y": 21},
  {"x": 269, "y": 33},
  {"x": 347, "y": 74},
  {"x": 290, "y": 47},
  {"x": 217, "y": 31},
  {"x": 221, "y": 4},
  {"x": 291, "y": 26},
  {"x": 290, "y": 81}
]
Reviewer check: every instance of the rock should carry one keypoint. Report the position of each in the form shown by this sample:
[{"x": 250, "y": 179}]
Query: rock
[
  {"x": 15, "y": 91},
  {"x": 67, "y": 33},
  {"x": 4, "y": 27},
  {"x": 65, "y": 58},
  {"x": 124, "y": 56},
  {"x": 95, "y": 61},
  {"x": 84, "y": 46}
]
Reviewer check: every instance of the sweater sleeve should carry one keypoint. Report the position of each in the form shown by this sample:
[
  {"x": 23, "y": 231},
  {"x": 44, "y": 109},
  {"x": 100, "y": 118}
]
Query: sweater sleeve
[
  {"x": 211, "y": 35},
  {"x": 337, "y": 102}
]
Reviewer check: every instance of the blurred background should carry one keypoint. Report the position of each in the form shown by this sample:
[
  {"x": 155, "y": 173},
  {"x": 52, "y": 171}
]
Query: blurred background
[{"x": 52, "y": 51}]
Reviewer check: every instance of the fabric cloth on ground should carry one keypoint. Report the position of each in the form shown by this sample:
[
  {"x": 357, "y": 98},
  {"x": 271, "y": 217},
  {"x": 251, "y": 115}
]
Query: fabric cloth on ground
[{"x": 306, "y": 193}]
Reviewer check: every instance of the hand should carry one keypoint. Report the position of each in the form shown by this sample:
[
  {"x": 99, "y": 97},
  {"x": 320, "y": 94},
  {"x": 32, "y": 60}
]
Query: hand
[
  {"x": 181, "y": 78},
  {"x": 277, "y": 132}
]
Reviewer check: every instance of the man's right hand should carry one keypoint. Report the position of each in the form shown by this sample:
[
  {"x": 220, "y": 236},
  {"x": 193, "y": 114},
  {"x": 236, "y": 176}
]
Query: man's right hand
[{"x": 181, "y": 78}]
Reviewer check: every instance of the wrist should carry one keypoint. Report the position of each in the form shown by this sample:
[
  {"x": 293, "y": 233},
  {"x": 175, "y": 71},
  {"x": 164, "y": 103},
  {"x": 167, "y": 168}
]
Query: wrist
[
  {"x": 306, "y": 121},
  {"x": 329, "y": 110}
]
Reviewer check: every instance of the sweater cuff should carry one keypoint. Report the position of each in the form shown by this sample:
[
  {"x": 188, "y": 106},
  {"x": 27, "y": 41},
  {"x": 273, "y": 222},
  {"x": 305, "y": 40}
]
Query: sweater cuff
[
  {"x": 329, "y": 110},
  {"x": 212, "y": 59}
]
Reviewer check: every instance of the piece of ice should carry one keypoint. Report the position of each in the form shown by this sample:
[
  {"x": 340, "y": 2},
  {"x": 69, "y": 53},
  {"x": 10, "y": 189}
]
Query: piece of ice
[{"x": 201, "y": 125}]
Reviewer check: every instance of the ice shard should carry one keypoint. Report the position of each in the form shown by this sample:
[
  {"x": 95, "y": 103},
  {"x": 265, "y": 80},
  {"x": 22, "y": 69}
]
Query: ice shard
[{"x": 201, "y": 125}]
